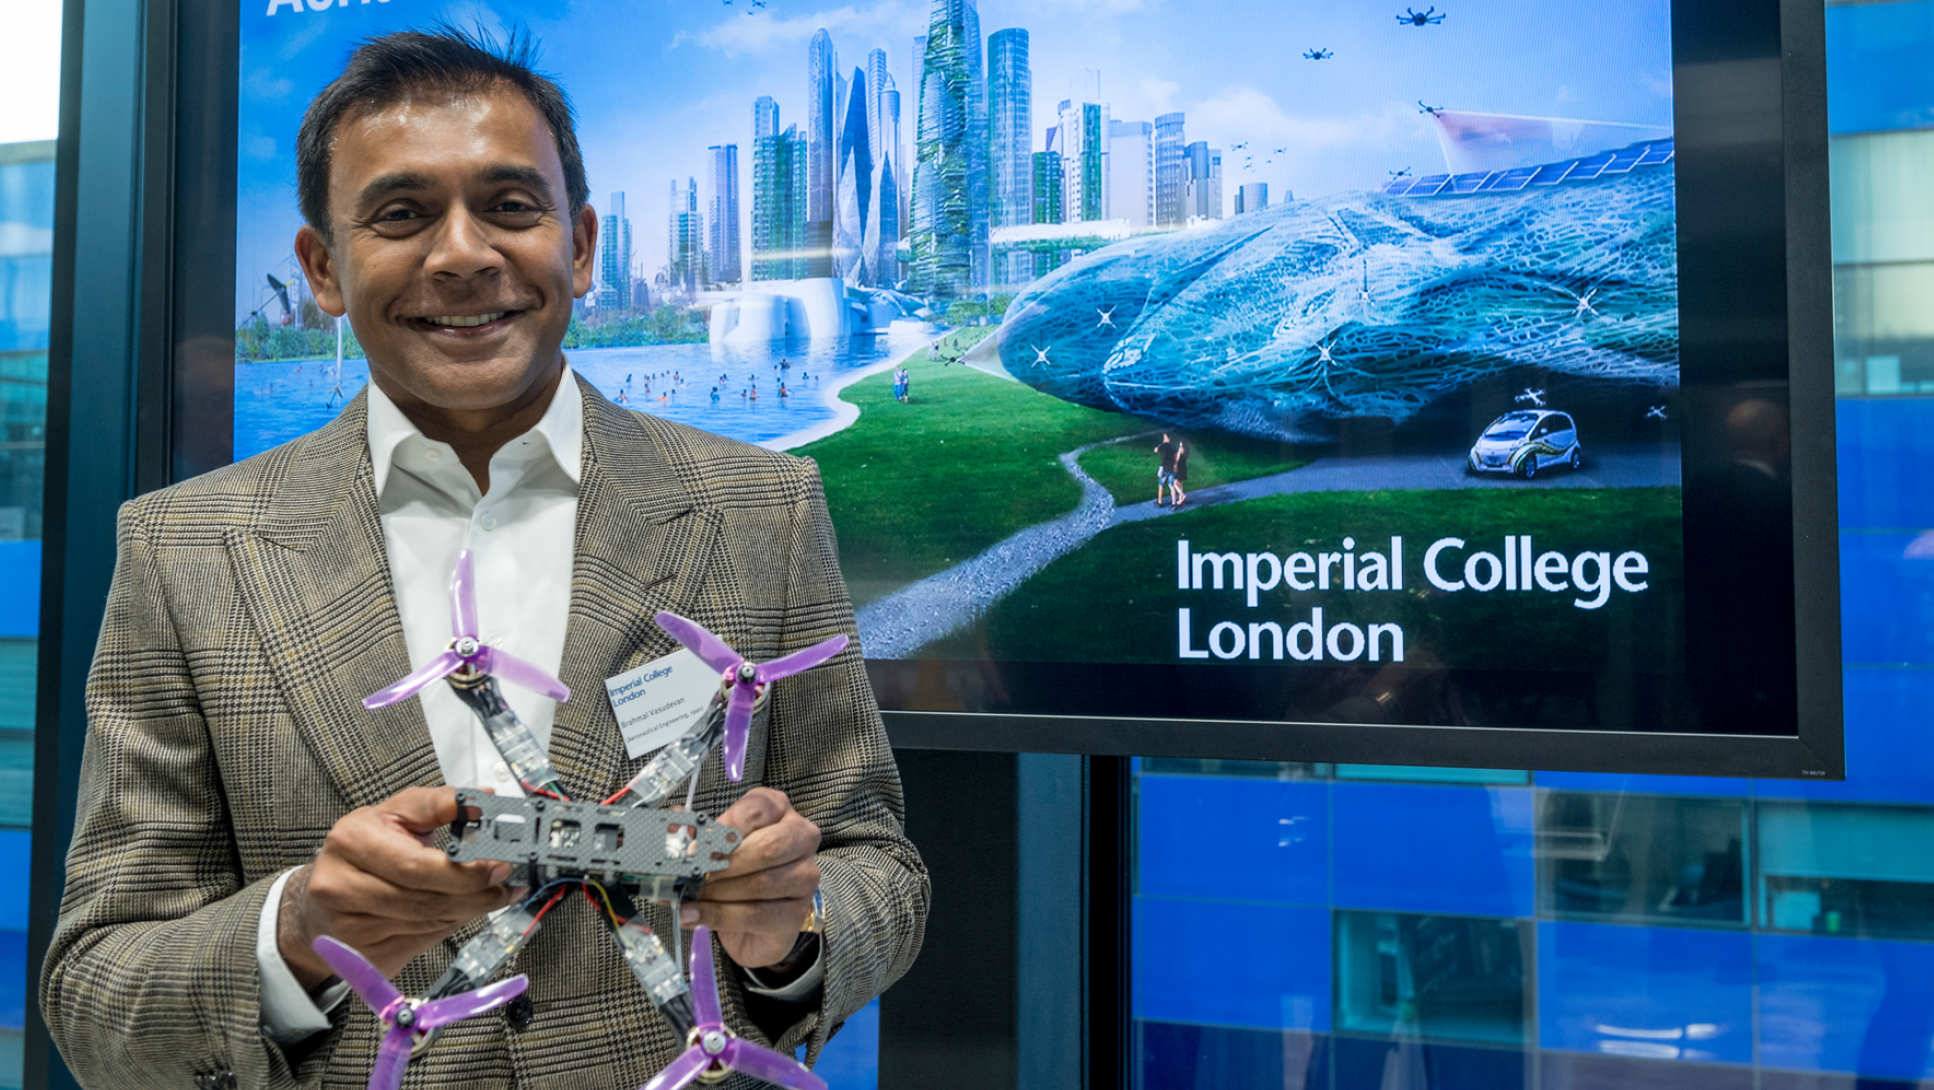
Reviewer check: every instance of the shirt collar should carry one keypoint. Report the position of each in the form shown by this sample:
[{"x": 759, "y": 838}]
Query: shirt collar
[{"x": 561, "y": 427}]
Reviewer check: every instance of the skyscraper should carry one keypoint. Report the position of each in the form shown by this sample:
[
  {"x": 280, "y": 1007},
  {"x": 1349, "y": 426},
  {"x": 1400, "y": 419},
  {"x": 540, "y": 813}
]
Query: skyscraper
[
  {"x": 1084, "y": 159},
  {"x": 822, "y": 102},
  {"x": 1204, "y": 185},
  {"x": 1131, "y": 172},
  {"x": 686, "y": 256},
  {"x": 1010, "y": 134},
  {"x": 614, "y": 256},
  {"x": 977, "y": 166},
  {"x": 897, "y": 154},
  {"x": 779, "y": 205},
  {"x": 722, "y": 236},
  {"x": 942, "y": 227},
  {"x": 1171, "y": 172},
  {"x": 765, "y": 118},
  {"x": 1048, "y": 206},
  {"x": 1252, "y": 197},
  {"x": 855, "y": 227},
  {"x": 877, "y": 81}
]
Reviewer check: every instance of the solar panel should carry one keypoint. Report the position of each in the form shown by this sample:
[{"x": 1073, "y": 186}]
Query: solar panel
[
  {"x": 1470, "y": 183},
  {"x": 1624, "y": 160},
  {"x": 1397, "y": 187},
  {"x": 1655, "y": 154},
  {"x": 1590, "y": 168},
  {"x": 1552, "y": 173},
  {"x": 1511, "y": 181},
  {"x": 1429, "y": 185}
]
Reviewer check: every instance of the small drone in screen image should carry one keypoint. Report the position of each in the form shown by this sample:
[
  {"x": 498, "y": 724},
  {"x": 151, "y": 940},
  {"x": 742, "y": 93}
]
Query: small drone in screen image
[
  {"x": 616, "y": 853},
  {"x": 1318, "y": 54},
  {"x": 1413, "y": 17}
]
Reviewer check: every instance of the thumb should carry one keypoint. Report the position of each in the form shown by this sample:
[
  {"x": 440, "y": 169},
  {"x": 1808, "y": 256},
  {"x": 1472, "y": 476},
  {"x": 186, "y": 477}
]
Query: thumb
[{"x": 421, "y": 809}]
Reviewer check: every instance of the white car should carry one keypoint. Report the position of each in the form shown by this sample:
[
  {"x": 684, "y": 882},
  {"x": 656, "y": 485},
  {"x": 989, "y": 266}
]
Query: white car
[{"x": 1526, "y": 442}]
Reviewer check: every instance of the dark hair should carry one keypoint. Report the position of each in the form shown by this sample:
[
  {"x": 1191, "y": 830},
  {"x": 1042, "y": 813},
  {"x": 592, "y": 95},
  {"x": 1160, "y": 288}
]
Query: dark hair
[{"x": 390, "y": 69}]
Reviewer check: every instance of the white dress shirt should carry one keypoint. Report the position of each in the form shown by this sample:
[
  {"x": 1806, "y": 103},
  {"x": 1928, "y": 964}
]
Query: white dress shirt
[{"x": 520, "y": 537}]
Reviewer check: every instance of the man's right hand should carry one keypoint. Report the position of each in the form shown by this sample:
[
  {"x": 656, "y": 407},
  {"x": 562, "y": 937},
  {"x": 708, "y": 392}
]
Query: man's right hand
[{"x": 380, "y": 886}]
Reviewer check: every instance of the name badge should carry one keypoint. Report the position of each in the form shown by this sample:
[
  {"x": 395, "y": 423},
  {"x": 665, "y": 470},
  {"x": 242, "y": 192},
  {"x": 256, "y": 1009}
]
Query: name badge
[{"x": 660, "y": 700}]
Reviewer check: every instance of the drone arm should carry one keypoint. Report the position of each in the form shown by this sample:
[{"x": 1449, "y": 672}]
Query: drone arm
[
  {"x": 677, "y": 762},
  {"x": 510, "y": 735}
]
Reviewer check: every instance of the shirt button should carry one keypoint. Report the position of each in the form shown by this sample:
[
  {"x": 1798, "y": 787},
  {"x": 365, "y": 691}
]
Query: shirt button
[
  {"x": 433, "y": 454},
  {"x": 503, "y": 774},
  {"x": 488, "y": 522}
]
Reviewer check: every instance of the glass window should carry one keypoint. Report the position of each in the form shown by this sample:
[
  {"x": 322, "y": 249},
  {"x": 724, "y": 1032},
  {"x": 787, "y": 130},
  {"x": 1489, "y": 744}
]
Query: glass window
[
  {"x": 1847, "y": 870},
  {"x": 1637, "y": 858},
  {"x": 1449, "y": 978}
]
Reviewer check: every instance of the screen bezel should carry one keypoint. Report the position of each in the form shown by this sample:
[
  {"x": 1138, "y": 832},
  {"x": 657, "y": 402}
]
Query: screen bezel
[{"x": 1750, "y": 77}]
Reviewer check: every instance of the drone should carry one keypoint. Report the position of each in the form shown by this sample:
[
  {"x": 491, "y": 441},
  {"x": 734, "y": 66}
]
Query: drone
[
  {"x": 1656, "y": 412},
  {"x": 1395, "y": 174},
  {"x": 1426, "y": 108},
  {"x": 1107, "y": 317},
  {"x": 1041, "y": 354},
  {"x": 1318, "y": 54},
  {"x": 615, "y": 854},
  {"x": 1412, "y": 17},
  {"x": 1535, "y": 397}
]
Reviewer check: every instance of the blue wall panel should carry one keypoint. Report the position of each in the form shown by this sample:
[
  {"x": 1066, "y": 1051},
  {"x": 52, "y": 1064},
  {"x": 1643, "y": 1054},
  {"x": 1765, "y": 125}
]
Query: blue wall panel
[
  {"x": 1209, "y": 962},
  {"x": 1877, "y": 71},
  {"x": 1456, "y": 850},
  {"x": 1887, "y": 597},
  {"x": 1837, "y": 1005},
  {"x": 19, "y": 589},
  {"x": 1653, "y": 992},
  {"x": 1885, "y": 451},
  {"x": 1888, "y": 755},
  {"x": 1269, "y": 841}
]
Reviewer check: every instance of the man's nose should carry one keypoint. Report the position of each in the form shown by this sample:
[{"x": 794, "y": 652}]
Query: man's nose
[{"x": 462, "y": 247}]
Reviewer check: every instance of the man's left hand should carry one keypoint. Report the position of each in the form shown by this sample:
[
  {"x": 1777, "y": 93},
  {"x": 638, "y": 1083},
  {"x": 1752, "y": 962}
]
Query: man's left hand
[{"x": 757, "y": 905}]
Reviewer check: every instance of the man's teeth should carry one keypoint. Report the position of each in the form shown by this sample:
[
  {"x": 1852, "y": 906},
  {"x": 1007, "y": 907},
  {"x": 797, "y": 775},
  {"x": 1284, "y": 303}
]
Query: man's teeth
[{"x": 469, "y": 320}]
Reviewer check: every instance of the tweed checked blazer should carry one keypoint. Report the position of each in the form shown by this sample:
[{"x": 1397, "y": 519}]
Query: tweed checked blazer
[{"x": 251, "y": 610}]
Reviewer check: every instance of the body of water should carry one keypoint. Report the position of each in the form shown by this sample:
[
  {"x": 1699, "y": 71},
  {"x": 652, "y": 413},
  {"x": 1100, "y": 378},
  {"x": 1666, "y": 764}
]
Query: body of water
[{"x": 275, "y": 402}]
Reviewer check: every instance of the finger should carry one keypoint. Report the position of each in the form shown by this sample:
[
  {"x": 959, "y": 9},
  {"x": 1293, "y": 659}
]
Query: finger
[
  {"x": 787, "y": 882},
  {"x": 773, "y": 846},
  {"x": 758, "y": 808},
  {"x": 347, "y": 891},
  {"x": 778, "y": 918},
  {"x": 370, "y": 841},
  {"x": 421, "y": 809}
]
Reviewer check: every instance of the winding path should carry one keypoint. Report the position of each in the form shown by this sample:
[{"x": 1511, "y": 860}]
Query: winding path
[{"x": 897, "y": 626}]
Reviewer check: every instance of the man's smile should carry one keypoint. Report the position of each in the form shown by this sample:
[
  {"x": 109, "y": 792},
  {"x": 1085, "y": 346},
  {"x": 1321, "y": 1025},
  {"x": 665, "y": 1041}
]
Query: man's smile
[{"x": 464, "y": 325}]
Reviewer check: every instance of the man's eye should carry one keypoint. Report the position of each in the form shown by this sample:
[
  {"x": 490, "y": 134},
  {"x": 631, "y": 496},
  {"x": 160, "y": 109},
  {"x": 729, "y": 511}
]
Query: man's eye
[{"x": 397, "y": 215}]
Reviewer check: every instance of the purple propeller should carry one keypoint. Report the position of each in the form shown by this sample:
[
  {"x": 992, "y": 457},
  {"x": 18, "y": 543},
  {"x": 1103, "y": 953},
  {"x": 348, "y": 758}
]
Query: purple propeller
[
  {"x": 404, "y": 1018},
  {"x": 717, "y": 1049},
  {"x": 744, "y": 680},
  {"x": 467, "y": 653}
]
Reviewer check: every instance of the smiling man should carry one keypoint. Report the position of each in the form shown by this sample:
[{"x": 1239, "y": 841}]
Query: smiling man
[{"x": 237, "y": 802}]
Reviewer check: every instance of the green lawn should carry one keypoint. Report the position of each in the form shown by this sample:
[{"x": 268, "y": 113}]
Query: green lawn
[
  {"x": 969, "y": 460},
  {"x": 1128, "y": 574},
  {"x": 1127, "y": 469}
]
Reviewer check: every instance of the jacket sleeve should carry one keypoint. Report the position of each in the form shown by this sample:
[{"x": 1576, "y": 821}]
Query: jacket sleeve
[
  {"x": 151, "y": 976},
  {"x": 827, "y": 750}
]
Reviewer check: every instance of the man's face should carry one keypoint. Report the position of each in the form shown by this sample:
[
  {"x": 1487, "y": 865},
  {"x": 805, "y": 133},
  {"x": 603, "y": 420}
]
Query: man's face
[{"x": 454, "y": 253}]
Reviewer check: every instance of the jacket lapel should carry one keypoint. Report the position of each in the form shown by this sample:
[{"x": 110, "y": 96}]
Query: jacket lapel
[
  {"x": 313, "y": 575},
  {"x": 642, "y": 545}
]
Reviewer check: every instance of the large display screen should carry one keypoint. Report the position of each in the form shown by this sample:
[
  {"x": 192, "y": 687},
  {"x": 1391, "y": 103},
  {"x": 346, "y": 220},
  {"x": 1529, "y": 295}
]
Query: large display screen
[{"x": 1311, "y": 381}]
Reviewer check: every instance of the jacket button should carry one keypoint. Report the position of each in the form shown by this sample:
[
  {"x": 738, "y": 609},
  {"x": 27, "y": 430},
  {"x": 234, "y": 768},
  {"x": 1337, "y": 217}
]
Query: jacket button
[{"x": 519, "y": 1012}]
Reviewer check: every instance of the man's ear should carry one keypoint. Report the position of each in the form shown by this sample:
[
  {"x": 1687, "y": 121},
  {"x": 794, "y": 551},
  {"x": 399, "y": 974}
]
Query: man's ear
[
  {"x": 319, "y": 265},
  {"x": 584, "y": 250}
]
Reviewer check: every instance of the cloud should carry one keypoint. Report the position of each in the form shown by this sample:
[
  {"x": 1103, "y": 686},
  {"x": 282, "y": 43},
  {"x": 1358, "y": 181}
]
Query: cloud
[
  {"x": 1245, "y": 113},
  {"x": 1657, "y": 83},
  {"x": 737, "y": 35},
  {"x": 259, "y": 147},
  {"x": 259, "y": 83},
  {"x": 1159, "y": 93}
]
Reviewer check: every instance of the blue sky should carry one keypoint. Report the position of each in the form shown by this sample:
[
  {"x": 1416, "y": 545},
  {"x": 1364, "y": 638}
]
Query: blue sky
[{"x": 657, "y": 81}]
